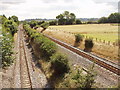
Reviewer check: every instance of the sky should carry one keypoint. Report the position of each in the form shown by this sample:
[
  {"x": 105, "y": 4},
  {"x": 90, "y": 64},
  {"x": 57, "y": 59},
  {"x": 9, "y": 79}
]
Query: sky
[{"x": 31, "y": 9}]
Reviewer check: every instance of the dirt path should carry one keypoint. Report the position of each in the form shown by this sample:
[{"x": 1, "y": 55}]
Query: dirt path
[{"x": 16, "y": 76}]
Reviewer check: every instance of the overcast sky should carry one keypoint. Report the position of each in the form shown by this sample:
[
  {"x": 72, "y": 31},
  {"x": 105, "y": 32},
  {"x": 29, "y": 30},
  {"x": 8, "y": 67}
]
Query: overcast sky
[{"x": 26, "y": 9}]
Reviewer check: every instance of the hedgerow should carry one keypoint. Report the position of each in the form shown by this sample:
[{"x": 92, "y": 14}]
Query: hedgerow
[
  {"x": 47, "y": 47},
  {"x": 9, "y": 28},
  {"x": 58, "y": 62},
  {"x": 7, "y": 52}
]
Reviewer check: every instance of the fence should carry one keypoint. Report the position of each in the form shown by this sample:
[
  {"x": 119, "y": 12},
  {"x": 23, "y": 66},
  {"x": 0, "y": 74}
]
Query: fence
[{"x": 94, "y": 39}]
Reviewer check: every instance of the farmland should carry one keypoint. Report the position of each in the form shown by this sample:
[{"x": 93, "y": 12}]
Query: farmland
[{"x": 105, "y": 32}]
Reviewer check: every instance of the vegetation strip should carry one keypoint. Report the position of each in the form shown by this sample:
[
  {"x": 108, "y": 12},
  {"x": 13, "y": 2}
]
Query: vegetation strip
[
  {"x": 59, "y": 66},
  {"x": 97, "y": 60}
]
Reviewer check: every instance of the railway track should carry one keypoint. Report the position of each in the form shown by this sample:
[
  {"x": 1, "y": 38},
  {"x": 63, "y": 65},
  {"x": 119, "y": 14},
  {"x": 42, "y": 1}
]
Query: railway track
[
  {"x": 100, "y": 61},
  {"x": 24, "y": 68}
]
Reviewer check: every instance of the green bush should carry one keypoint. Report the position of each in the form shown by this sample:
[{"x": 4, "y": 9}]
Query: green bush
[
  {"x": 48, "y": 48},
  {"x": 88, "y": 45},
  {"x": 78, "y": 79},
  {"x": 78, "y": 38},
  {"x": 6, "y": 47},
  {"x": 10, "y": 26},
  {"x": 59, "y": 63}
]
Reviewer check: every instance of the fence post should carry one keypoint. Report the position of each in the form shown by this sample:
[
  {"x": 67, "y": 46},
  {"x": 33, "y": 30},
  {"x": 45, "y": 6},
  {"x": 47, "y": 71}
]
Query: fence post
[
  {"x": 103, "y": 41},
  {"x": 96, "y": 39}
]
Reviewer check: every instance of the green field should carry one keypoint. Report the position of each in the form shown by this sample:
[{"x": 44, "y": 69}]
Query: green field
[{"x": 105, "y": 32}]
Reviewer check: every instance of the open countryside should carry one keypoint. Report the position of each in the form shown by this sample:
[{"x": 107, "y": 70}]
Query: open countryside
[
  {"x": 64, "y": 52},
  {"x": 108, "y": 32}
]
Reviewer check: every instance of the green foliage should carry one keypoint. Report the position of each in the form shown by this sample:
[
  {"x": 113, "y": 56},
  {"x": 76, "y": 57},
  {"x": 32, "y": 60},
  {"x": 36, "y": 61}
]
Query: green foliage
[
  {"x": 10, "y": 26},
  {"x": 78, "y": 38},
  {"x": 45, "y": 25},
  {"x": 47, "y": 47},
  {"x": 114, "y": 18},
  {"x": 78, "y": 21},
  {"x": 103, "y": 20},
  {"x": 3, "y": 19},
  {"x": 66, "y": 18},
  {"x": 77, "y": 79},
  {"x": 40, "y": 22},
  {"x": 6, "y": 46},
  {"x": 14, "y": 18},
  {"x": 32, "y": 23},
  {"x": 53, "y": 22},
  {"x": 59, "y": 63},
  {"x": 88, "y": 45}
]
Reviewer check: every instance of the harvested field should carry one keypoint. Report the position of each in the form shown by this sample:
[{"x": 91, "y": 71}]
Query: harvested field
[
  {"x": 101, "y": 49},
  {"x": 107, "y": 32}
]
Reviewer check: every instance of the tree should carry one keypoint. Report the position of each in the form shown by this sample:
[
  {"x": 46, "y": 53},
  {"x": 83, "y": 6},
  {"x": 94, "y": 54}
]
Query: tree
[
  {"x": 53, "y": 22},
  {"x": 44, "y": 26},
  {"x": 33, "y": 23},
  {"x": 66, "y": 18},
  {"x": 3, "y": 19},
  {"x": 14, "y": 18},
  {"x": 10, "y": 26},
  {"x": 103, "y": 20},
  {"x": 61, "y": 20},
  {"x": 78, "y": 21},
  {"x": 114, "y": 18}
]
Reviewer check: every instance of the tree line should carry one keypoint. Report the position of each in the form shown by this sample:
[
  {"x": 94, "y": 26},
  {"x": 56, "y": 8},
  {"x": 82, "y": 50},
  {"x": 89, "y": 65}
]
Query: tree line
[
  {"x": 68, "y": 18},
  {"x": 9, "y": 28},
  {"x": 112, "y": 18}
]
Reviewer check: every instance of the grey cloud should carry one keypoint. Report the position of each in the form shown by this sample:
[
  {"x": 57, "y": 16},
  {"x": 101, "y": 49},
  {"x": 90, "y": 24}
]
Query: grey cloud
[
  {"x": 105, "y": 1},
  {"x": 3, "y": 7},
  {"x": 49, "y": 1},
  {"x": 113, "y": 3},
  {"x": 12, "y": 1},
  {"x": 55, "y": 1}
]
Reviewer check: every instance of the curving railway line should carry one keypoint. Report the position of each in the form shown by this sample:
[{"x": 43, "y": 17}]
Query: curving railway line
[{"x": 100, "y": 61}]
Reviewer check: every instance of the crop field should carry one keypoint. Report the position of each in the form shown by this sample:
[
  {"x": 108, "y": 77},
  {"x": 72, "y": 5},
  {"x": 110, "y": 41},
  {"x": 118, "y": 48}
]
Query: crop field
[{"x": 107, "y": 32}]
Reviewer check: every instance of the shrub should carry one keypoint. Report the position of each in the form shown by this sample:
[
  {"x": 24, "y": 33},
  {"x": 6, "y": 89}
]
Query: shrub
[
  {"x": 44, "y": 26},
  {"x": 78, "y": 21},
  {"x": 78, "y": 39},
  {"x": 78, "y": 79},
  {"x": 10, "y": 26},
  {"x": 6, "y": 47},
  {"x": 88, "y": 45},
  {"x": 59, "y": 63},
  {"x": 48, "y": 48}
]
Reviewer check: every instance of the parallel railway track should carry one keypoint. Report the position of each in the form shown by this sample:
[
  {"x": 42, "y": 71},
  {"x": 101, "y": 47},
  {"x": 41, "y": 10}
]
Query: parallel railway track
[
  {"x": 24, "y": 68},
  {"x": 100, "y": 61}
]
